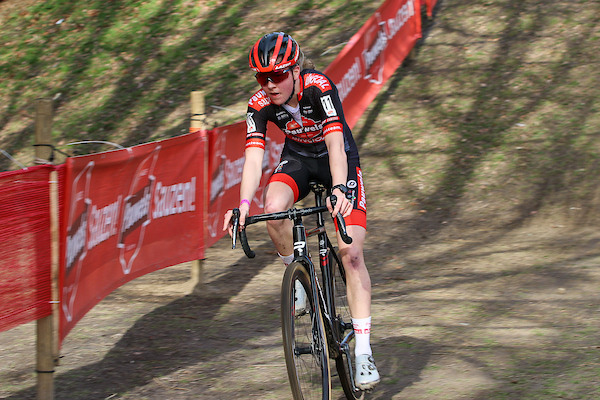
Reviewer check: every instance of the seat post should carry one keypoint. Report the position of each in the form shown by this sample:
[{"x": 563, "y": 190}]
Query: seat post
[{"x": 318, "y": 189}]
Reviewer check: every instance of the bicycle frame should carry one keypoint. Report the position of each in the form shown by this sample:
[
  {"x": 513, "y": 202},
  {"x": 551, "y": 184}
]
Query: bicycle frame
[
  {"x": 325, "y": 293},
  {"x": 300, "y": 235},
  {"x": 334, "y": 327}
]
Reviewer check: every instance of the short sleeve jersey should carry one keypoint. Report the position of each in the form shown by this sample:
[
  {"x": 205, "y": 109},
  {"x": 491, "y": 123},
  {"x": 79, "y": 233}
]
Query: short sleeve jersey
[{"x": 321, "y": 112}]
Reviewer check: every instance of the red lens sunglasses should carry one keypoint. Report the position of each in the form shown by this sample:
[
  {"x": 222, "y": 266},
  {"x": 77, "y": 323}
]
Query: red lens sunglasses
[{"x": 276, "y": 77}]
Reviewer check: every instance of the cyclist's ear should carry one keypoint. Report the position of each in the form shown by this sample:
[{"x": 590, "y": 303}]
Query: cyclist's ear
[{"x": 296, "y": 71}]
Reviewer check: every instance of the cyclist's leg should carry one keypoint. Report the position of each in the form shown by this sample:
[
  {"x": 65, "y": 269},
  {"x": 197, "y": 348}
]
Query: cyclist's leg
[
  {"x": 358, "y": 280},
  {"x": 358, "y": 284},
  {"x": 280, "y": 197},
  {"x": 288, "y": 184},
  {"x": 346, "y": 359}
]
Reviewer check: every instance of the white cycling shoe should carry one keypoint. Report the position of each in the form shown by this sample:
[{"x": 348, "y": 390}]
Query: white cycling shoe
[
  {"x": 300, "y": 299},
  {"x": 367, "y": 375}
]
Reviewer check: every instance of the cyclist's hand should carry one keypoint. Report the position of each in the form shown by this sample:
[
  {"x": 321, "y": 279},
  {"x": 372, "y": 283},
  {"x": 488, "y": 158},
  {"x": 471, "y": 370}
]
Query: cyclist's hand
[
  {"x": 343, "y": 205},
  {"x": 228, "y": 222},
  {"x": 228, "y": 219}
]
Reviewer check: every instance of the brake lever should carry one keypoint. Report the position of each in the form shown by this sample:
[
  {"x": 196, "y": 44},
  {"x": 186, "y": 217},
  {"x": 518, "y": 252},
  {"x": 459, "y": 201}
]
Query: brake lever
[
  {"x": 340, "y": 222},
  {"x": 243, "y": 238},
  {"x": 236, "y": 225}
]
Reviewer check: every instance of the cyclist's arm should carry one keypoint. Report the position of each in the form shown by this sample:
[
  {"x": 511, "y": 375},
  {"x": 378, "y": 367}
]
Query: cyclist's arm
[
  {"x": 256, "y": 127},
  {"x": 251, "y": 176},
  {"x": 256, "y": 124},
  {"x": 338, "y": 166},
  {"x": 330, "y": 107}
]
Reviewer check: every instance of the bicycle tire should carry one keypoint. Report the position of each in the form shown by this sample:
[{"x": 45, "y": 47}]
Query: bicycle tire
[
  {"x": 304, "y": 342},
  {"x": 345, "y": 361}
]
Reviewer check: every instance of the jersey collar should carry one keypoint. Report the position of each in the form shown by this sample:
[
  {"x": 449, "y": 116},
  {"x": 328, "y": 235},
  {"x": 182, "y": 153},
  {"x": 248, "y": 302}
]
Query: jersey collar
[{"x": 301, "y": 79}]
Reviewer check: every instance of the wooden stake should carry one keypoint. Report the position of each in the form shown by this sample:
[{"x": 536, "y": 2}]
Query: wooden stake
[
  {"x": 198, "y": 110},
  {"x": 45, "y": 326},
  {"x": 45, "y": 363},
  {"x": 198, "y": 121},
  {"x": 43, "y": 131},
  {"x": 55, "y": 254}
]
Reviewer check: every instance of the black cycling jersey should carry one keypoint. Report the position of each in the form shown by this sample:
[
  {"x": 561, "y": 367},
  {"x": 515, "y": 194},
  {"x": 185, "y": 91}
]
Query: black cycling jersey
[{"x": 321, "y": 112}]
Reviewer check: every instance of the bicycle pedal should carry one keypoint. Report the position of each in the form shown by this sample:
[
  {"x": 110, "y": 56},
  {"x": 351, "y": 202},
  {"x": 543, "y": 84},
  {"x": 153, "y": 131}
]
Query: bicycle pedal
[{"x": 300, "y": 313}]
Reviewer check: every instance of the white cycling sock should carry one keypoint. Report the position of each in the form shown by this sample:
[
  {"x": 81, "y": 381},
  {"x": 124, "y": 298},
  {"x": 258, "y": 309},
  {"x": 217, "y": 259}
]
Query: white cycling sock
[
  {"x": 362, "y": 335},
  {"x": 286, "y": 259}
]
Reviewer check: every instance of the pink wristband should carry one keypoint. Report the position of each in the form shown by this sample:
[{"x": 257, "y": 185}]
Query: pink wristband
[{"x": 244, "y": 201}]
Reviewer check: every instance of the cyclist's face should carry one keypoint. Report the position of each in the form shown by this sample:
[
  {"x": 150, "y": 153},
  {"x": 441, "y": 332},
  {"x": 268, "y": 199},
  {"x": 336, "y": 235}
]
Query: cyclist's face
[{"x": 281, "y": 91}]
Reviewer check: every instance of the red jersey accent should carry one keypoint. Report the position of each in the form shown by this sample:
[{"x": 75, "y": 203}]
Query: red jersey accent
[
  {"x": 255, "y": 143},
  {"x": 259, "y": 100},
  {"x": 288, "y": 181},
  {"x": 360, "y": 195},
  {"x": 317, "y": 80},
  {"x": 335, "y": 127}
]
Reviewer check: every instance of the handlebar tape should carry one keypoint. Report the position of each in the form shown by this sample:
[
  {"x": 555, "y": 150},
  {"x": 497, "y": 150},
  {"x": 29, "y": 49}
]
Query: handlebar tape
[{"x": 244, "y": 239}]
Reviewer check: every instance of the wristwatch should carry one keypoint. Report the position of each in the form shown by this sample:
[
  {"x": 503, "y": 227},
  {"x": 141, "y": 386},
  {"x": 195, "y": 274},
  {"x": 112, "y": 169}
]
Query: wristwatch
[{"x": 341, "y": 187}]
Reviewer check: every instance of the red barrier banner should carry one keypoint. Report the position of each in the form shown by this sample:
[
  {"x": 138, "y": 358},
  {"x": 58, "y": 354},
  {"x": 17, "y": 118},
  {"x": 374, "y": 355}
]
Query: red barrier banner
[
  {"x": 373, "y": 55},
  {"x": 127, "y": 213},
  {"x": 25, "y": 257},
  {"x": 225, "y": 164}
]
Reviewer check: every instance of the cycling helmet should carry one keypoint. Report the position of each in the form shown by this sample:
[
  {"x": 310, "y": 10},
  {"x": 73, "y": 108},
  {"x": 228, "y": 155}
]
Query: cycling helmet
[{"x": 274, "y": 52}]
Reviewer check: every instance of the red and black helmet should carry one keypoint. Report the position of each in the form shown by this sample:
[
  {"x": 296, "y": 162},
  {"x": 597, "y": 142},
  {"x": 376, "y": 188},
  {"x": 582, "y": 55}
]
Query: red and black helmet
[{"x": 274, "y": 52}]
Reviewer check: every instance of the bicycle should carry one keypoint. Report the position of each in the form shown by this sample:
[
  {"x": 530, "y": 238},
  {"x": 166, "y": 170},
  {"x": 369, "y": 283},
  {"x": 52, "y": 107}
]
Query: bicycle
[{"x": 322, "y": 330}]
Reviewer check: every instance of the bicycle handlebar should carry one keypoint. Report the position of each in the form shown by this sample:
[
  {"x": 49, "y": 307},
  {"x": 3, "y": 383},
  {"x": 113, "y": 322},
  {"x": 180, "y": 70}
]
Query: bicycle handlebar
[{"x": 292, "y": 214}]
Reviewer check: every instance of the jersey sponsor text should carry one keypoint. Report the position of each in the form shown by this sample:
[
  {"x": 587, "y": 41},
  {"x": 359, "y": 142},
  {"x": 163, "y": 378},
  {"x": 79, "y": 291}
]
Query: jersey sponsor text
[{"x": 317, "y": 80}]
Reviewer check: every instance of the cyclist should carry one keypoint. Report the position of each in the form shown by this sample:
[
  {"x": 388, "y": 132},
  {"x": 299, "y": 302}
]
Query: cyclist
[{"x": 305, "y": 105}]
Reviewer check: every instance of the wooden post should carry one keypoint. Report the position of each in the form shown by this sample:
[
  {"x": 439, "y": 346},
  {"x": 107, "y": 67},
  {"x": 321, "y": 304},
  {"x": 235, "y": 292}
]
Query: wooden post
[
  {"x": 55, "y": 255},
  {"x": 45, "y": 326},
  {"x": 45, "y": 362},
  {"x": 198, "y": 121},
  {"x": 43, "y": 131}
]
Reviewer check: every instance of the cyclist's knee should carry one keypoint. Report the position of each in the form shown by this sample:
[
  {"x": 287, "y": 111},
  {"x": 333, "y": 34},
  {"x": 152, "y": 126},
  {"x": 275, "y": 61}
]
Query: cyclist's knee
[
  {"x": 352, "y": 257},
  {"x": 277, "y": 203},
  {"x": 278, "y": 197},
  {"x": 274, "y": 205}
]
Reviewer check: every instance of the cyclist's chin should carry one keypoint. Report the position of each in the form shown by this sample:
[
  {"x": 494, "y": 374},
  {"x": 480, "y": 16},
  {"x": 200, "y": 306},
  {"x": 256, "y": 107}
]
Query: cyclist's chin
[{"x": 277, "y": 99}]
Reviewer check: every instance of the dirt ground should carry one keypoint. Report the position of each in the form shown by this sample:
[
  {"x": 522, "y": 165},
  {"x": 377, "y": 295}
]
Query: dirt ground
[
  {"x": 466, "y": 311},
  {"x": 483, "y": 299}
]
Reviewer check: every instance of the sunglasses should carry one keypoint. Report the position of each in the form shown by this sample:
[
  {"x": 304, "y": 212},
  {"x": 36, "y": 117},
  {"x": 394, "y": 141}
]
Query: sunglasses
[{"x": 276, "y": 76}]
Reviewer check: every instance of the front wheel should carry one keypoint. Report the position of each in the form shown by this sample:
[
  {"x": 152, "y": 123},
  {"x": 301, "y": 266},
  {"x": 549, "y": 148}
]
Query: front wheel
[
  {"x": 304, "y": 340},
  {"x": 345, "y": 361}
]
